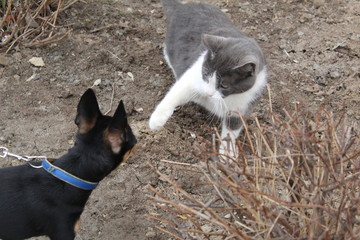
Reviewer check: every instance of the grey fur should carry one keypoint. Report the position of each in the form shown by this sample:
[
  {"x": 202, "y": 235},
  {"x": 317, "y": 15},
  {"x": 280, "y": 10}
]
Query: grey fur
[
  {"x": 233, "y": 122},
  {"x": 194, "y": 28}
]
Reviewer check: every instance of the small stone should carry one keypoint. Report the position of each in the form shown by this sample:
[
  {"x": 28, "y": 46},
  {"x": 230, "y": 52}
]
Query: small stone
[
  {"x": 131, "y": 76},
  {"x": 139, "y": 110},
  {"x": 37, "y": 61},
  {"x": 4, "y": 61},
  {"x": 97, "y": 82},
  {"x": 160, "y": 167},
  {"x": 16, "y": 77},
  {"x": 264, "y": 38},
  {"x": 318, "y": 3},
  {"x": 32, "y": 77},
  {"x": 335, "y": 74},
  {"x": 150, "y": 234},
  {"x": 283, "y": 44},
  {"x": 206, "y": 228}
]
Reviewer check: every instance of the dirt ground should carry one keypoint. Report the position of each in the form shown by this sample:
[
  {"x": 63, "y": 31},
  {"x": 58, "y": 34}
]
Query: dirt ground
[{"x": 312, "y": 50}]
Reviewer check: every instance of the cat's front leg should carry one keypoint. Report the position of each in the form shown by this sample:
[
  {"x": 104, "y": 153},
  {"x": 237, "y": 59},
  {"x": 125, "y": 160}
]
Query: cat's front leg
[
  {"x": 160, "y": 116},
  {"x": 179, "y": 94},
  {"x": 231, "y": 128}
]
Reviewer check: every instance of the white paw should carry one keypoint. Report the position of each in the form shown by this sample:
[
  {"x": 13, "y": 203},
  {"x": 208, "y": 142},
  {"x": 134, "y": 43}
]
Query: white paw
[
  {"x": 159, "y": 118},
  {"x": 228, "y": 151}
]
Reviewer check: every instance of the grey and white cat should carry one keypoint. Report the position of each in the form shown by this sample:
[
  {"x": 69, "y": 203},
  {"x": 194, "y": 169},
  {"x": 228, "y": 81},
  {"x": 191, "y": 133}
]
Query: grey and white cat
[{"x": 215, "y": 65}]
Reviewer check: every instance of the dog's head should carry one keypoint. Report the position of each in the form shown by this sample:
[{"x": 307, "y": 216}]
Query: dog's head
[{"x": 109, "y": 137}]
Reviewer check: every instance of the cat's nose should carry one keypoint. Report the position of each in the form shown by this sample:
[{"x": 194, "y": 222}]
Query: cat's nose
[{"x": 210, "y": 94}]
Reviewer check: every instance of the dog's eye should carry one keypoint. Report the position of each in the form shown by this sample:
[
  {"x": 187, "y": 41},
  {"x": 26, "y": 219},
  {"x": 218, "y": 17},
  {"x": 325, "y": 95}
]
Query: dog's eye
[{"x": 224, "y": 86}]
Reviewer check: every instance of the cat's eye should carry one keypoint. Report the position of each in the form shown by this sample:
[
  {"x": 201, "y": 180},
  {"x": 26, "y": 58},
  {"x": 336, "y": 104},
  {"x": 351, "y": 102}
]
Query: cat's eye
[{"x": 223, "y": 85}]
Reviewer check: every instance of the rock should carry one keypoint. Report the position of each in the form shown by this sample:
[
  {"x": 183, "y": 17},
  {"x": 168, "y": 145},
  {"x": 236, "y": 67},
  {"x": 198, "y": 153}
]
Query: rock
[
  {"x": 131, "y": 76},
  {"x": 65, "y": 94},
  {"x": 32, "y": 77},
  {"x": 37, "y": 61},
  {"x": 335, "y": 74},
  {"x": 4, "y": 61},
  {"x": 318, "y": 3},
  {"x": 16, "y": 77},
  {"x": 206, "y": 228},
  {"x": 139, "y": 110},
  {"x": 150, "y": 234},
  {"x": 263, "y": 37},
  {"x": 283, "y": 44},
  {"x": 97, "y": 82}
]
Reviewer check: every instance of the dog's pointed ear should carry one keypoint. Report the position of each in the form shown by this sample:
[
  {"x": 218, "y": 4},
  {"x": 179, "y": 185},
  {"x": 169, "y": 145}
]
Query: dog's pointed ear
[
  {"x": 117, "y": 129},
  {"x": 88, "y": 112}
]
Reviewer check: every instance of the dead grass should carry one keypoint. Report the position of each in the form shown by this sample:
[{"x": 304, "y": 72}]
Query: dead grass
[
  {"x": 32, "y": 22},
  {"x": 295, "y": 178}
]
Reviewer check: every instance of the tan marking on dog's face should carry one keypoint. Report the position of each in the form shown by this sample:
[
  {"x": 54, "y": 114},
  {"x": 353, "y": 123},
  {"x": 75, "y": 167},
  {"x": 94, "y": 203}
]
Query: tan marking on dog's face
[
  {"x": 113, "y": 140},
  {"x": 77, "y": 226}
]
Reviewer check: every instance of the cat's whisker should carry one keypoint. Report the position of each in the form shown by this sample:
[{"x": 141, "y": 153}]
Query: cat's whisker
[
  {"x": 195, "y": 95},
  {"x": 217, "y": 110},
  {"x": 213, "y": 113}
]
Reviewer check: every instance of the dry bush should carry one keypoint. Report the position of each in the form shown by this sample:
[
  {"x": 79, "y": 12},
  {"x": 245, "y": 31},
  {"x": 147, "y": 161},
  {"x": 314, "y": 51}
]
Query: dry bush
[
  {"x": 297, "y": 177},
  {"x": 32, "y": 20}
]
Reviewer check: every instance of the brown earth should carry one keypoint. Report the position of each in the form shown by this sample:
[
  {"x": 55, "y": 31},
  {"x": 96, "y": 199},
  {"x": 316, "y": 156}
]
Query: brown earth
[{"x": 312, "y": 50}]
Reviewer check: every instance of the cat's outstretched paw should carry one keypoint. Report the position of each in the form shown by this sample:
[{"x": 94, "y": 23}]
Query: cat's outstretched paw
[{"x": 159, "y": 118}]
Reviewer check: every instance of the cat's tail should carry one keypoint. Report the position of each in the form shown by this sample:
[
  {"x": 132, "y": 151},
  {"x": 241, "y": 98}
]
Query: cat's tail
[{"x": 169, "y": 6}]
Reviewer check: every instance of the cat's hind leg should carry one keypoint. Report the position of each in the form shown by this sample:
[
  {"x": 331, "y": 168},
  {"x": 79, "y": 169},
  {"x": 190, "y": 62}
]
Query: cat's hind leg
[{"x": 231, "y": 128}]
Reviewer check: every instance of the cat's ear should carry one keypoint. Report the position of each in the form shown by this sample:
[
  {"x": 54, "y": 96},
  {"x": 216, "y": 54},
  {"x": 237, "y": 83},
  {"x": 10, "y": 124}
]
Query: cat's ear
[
  {"x": 117, "y": 128},
  {"x": 247, "y": 69},
  {"x": 212, "y": 42},
  {"x": 88, "y": 112}
]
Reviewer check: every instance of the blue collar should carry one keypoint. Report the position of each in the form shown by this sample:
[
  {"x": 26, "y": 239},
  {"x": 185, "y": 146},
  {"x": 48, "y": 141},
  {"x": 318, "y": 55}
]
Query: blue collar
[{"x": 67, "y": 177}]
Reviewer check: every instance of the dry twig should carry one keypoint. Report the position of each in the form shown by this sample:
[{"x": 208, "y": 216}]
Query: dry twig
[
  {"x": 33, "y": 22},
  {"x": 297, "y": 177}
]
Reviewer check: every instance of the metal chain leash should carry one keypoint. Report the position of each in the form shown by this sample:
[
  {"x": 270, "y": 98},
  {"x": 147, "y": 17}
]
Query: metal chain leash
[{"x": 4, "y": 152}]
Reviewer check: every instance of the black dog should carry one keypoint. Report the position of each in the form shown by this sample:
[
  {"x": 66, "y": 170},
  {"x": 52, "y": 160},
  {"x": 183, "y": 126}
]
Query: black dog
[{"x": 49, "y": 201}]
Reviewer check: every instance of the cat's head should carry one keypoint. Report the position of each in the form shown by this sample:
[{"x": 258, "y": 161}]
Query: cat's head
[{"x": 231, "y": 65}]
